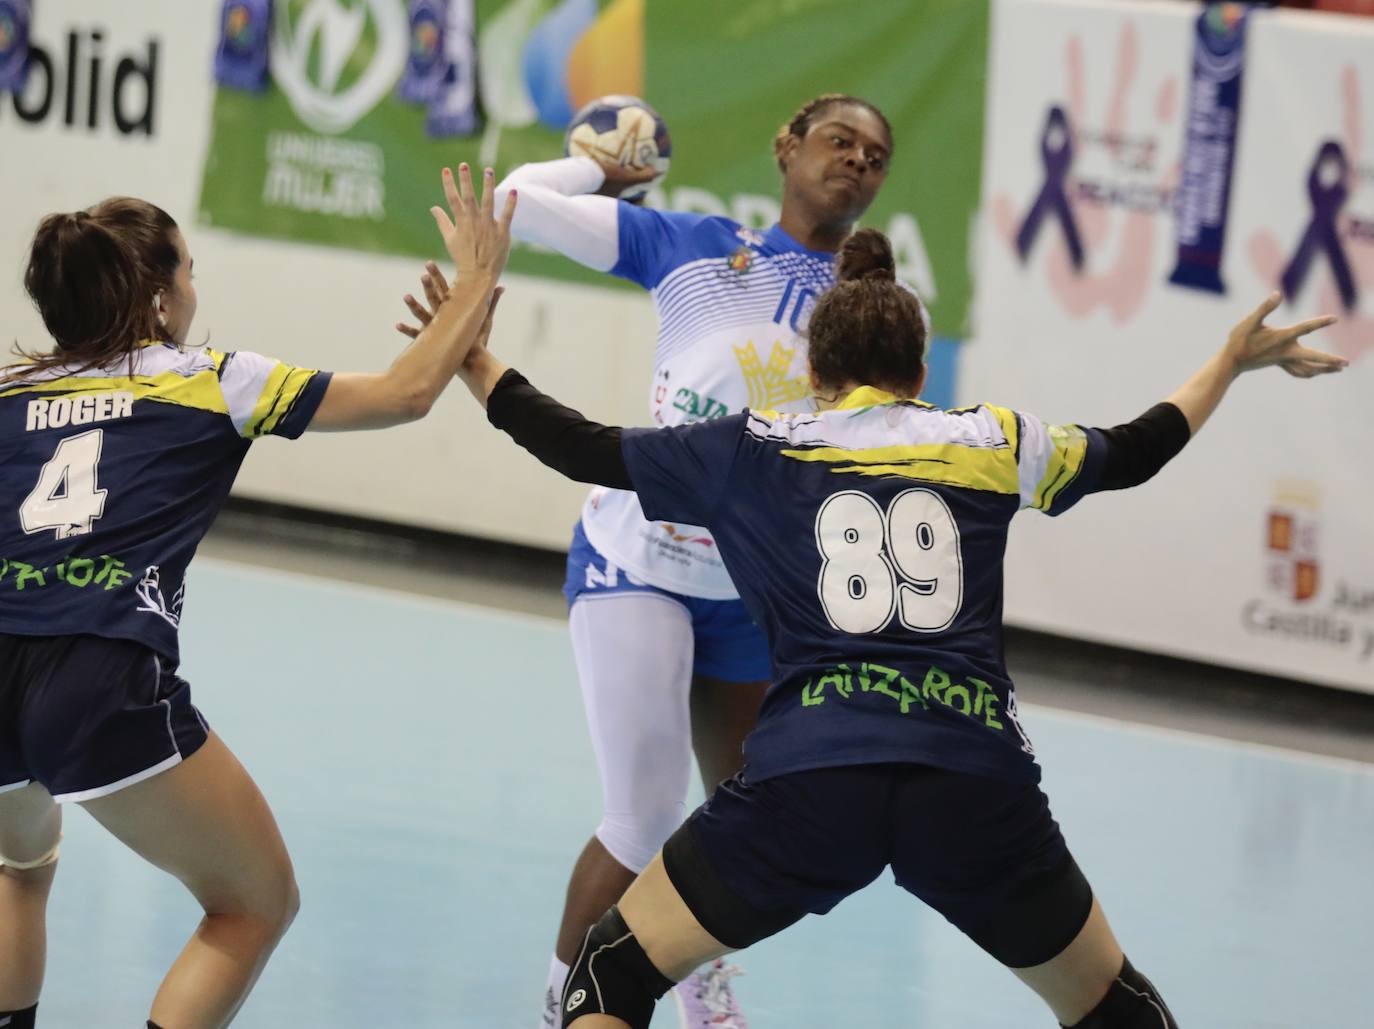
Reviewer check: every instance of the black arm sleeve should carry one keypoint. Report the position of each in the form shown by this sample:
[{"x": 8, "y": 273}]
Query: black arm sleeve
[
  {"x": 1139, "y": 449},
  {"x": 559, "y": 436}
]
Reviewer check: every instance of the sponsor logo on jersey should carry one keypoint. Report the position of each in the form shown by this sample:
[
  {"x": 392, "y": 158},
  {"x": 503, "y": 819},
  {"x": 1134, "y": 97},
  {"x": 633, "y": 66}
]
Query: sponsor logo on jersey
[
  {"x": 698, "y": 406},
  {"x": 680, "y": 537},
  {"x": 977, "y": 699},
  {"x": 769, "y": 384},
  {"x": 154, "y": 602},
  {"x": 106, "y": 571}
]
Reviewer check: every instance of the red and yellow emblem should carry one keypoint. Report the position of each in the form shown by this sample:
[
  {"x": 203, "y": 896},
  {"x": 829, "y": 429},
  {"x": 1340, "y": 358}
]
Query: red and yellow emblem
[{"x": 741, "y": 260}]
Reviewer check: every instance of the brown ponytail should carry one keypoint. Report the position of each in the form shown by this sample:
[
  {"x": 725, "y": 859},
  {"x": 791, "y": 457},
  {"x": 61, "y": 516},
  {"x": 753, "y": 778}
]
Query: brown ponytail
[
  {"x": 95, "y": 276},
  {"x": 868, "y": 329}
]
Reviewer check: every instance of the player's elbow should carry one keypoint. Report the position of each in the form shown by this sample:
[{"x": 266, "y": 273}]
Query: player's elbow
[
  {"x": 414, "y": 403},
  {"x": 410, "y": 398}
]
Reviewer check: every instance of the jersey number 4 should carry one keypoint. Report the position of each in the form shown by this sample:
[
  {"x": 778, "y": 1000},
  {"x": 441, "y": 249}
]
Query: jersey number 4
[
  {"x": 67, "y": 497},
  {"x": 906, "y": 561}
]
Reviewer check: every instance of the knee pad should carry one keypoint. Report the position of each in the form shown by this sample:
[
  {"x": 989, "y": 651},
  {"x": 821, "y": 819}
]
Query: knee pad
[
  {"x": 1131, "y": 1003},
  {"x": 613, "y": 976},
  {"x": 28, "y": 866}
]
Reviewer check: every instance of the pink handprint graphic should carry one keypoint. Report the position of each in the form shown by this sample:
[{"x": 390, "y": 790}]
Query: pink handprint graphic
[{"x": 1078, "y": 216}]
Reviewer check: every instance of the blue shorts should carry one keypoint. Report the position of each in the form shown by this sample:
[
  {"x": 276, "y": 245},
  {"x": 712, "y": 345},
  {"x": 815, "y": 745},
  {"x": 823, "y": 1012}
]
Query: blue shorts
[
  {"x": 86, "y": 716},
  {"x": 985, "y": 853},
  {"x": 727, "y": 643}
]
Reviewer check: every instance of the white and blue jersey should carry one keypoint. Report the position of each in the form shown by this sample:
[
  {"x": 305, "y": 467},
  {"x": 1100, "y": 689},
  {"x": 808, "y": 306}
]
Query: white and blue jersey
[{"x": 732, "y": 306}]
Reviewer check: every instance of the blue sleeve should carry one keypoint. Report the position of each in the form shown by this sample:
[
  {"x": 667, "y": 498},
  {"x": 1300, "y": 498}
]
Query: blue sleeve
[
  {"x": 649, "y": 241},
  {"x": 681, "y": 472}
]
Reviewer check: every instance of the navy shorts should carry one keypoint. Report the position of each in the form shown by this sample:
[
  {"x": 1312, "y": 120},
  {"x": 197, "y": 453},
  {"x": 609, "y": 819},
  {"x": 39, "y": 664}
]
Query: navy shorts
[
  {"x": 86, "y": 716},
  {"x": 985, "y": 854},
  {"x": 727, "y": 643}
]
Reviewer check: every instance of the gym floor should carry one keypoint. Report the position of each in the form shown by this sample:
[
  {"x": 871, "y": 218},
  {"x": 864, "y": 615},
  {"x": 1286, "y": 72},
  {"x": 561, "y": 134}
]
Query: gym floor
[{"x": 408, "y": 704}]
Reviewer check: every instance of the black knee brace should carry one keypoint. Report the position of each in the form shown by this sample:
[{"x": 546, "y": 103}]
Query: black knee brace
[
  {"x": 1131, "y": 1003},
  {"x": 613, "y": 976}
]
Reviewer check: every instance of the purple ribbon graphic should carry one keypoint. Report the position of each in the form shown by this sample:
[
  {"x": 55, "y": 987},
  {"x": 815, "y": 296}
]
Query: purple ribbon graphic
[
  {"x": 1056, "y": 151},
  {"x": 1326, "y": 185}
]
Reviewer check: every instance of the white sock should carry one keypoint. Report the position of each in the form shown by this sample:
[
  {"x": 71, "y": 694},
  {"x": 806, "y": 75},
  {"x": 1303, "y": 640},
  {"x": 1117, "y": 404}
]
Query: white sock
[{"x": 558, "y": 975}]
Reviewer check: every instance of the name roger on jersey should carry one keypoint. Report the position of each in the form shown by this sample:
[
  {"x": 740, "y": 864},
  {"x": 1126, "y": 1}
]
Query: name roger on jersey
[{"x": 59, "y": 412}]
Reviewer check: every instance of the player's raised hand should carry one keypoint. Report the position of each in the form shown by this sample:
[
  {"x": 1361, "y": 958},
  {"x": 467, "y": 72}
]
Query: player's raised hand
[
  {"x": 620, "y": 177},
  {"x": 1252, "y": 344},
  {"x": 476, "y": 240},
  {"x": 436, "y": 291}
]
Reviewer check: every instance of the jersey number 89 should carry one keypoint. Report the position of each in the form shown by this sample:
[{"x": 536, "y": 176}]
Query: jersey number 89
[{"x": 907, "y": 560}]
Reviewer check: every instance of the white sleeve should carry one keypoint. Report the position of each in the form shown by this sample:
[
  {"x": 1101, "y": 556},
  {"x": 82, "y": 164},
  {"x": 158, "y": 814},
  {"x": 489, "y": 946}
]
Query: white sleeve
[{"x": 555, "y": 209}]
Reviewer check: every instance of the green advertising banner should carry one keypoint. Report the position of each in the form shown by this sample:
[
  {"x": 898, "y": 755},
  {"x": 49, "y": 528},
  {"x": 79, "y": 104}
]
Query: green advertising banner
[{"x": 330, "y": 152}]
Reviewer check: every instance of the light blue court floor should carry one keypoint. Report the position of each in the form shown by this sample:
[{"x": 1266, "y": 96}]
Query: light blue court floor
[{"x": 431, "y": 772}]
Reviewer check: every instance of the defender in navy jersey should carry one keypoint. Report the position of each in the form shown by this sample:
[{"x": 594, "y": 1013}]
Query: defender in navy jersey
[
  {"x": 867, "y": 539},
  {"x": 670, "y": 660},
  {"x": 117, "y": 450}
]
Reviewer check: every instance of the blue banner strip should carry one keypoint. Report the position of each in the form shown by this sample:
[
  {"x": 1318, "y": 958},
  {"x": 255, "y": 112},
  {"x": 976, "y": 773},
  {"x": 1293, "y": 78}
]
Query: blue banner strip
[{"x": 1204, "y": 194}]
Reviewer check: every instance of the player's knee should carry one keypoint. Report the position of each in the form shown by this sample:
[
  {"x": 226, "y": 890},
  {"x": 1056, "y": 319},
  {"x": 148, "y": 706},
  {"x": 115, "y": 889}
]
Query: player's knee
[
  {"x": 31, "y": 866},
  {"x": 634, "y": 837},
  {"x": 265, "y": 909},
  {"x": 289, "y": 906},
  {"x": 1131, "y": 1003},
  {"x": 613, "y": 976}
]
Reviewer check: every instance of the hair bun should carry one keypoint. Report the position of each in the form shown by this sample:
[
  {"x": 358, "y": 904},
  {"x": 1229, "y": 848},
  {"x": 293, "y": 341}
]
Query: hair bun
[{"x": 867, "y": 255}]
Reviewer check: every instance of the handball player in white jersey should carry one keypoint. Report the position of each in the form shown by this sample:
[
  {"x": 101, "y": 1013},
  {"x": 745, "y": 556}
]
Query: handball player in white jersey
[{"x": 667, "y": 655}]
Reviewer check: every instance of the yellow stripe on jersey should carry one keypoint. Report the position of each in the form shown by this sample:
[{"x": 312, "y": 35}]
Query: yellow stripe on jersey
[
  {"x": 871, "y": 396},
  {"x": 199, "y": 391},
  {"x": 992, "y": 469},
  {"x": 271, "y": 404},
  {"x": 1066, "y": 461},
  {"x": 297, "y": 379}
]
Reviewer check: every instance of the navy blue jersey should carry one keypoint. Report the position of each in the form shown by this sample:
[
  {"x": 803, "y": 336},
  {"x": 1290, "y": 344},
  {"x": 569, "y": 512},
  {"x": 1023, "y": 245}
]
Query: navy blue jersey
[
  {"x": 111, "y": 478},
  {"x": 867, "y": 541}
]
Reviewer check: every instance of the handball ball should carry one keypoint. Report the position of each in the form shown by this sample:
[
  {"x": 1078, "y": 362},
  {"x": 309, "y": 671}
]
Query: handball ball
[{"x": 621, "y": 130}]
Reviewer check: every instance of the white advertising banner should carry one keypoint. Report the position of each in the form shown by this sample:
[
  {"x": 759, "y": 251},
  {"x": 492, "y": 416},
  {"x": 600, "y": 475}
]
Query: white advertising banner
[
  {"x": 1253, "y": 548},
  {"x": 118, "y": 102}
]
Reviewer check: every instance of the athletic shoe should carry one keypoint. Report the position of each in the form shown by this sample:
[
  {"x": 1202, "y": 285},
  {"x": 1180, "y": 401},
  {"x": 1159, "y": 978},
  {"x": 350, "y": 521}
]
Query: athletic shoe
[{"x": 705, "y": 1000}]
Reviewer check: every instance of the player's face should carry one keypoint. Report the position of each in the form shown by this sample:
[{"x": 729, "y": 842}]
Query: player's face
[
  {"x": 178, "y": 304},
  {"x": 842, "y": 161}
]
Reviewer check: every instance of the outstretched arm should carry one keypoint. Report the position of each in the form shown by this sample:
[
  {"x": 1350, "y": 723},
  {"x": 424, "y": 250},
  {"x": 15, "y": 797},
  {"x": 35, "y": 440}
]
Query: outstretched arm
[
  {"x": 568, "y": 205},
  {"x": 560, "y": 437},
  {"x": 1253, "y": 345},
  {"x": 1061, "y": 464},
  {"x": 478, "y": 243}
]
